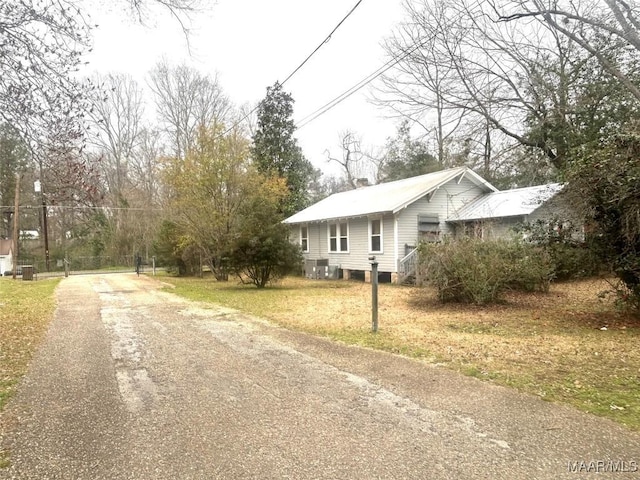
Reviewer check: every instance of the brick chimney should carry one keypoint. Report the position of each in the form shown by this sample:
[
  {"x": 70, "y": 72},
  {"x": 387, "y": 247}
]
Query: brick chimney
[{"x": 362, "y": 182}]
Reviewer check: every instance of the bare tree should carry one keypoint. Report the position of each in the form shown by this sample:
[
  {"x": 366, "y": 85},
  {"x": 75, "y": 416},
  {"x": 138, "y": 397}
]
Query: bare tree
[
  {"x": 187, "y": 101},
  {"x": 180, "y": 10},
  {"x": 358, "y": 166},
  {"x": 128, "y": 158},
  {"x": 42, "y": 47},
  {"x": 417, "y": 88},
  {"x": 117, "y": 123},
  {"x": 496, "y": 83},
  {"x": 145, "y": 167},
  {"x": 616, "y": 18},
  {"x": 42, "y": 44}
]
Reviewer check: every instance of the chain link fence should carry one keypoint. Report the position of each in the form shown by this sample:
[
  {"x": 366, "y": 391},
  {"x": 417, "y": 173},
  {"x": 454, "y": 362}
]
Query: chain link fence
[{"x": 81, "y": 265}]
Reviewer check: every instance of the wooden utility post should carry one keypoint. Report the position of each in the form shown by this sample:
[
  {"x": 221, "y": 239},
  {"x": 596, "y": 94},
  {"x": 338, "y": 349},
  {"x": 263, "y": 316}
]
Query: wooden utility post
[
  {"x": 37, "y": 185},
  {"x": 374, "y": 294},
  {"x": 45, "y": 232},
  {"x": 16, "y": 229}
]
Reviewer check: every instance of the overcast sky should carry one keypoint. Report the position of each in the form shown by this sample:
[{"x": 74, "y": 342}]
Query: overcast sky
[{"x": 253, "y": 43}]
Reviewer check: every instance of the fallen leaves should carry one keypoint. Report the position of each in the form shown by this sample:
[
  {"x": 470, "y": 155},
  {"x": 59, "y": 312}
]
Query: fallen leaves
[{"x": 24, "y": 316}]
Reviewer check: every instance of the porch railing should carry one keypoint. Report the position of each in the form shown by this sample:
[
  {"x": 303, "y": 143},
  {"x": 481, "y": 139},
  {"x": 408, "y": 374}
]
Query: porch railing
[{"x": 407, "y": 266}]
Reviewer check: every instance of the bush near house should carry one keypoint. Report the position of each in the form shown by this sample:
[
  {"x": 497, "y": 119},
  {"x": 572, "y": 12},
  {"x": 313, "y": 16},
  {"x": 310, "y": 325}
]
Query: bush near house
[
  {"x": 265, "y": 257},
  {"x": 573, "y": 255},
  {"x": 475, "y": 271}
]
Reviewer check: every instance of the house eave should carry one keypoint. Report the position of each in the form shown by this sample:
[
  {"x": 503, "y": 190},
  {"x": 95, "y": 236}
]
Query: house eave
[
  {"x": 339, "y": 218},
  {"x": 483, "y": 219}
]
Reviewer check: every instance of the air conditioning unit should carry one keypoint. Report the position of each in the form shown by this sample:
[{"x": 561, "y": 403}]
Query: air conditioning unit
[{"x": 316, "y": 269}]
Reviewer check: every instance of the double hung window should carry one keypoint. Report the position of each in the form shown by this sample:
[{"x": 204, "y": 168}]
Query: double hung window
[
  {"x": 375, "y": 235},
  {"x": 339, "y": 237},
  {"x": 304, "y": 238}
]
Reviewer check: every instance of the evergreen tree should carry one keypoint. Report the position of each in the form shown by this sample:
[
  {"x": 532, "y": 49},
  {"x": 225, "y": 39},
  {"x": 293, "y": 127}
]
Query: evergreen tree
[
  {"x": 406, "y": 157},
  {"x": 276, "y": 152}
]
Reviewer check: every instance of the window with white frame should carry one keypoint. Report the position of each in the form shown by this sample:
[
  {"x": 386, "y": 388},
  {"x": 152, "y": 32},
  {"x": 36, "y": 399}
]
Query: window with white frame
[
  {"x": 339, "y": 237},
  {"x": 304, "y": 238},
  {"x": 375, "y": 235}
]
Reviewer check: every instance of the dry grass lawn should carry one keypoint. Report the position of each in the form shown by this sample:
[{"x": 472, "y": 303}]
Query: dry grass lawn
[
  {"x": 566, "y": 345},
  {"x": 26, "y": 308}
]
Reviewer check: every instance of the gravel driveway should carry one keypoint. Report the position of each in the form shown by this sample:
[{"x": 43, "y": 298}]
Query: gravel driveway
[{"x": 133, "y": 382}]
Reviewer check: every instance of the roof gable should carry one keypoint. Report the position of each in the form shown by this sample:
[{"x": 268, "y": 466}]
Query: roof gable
[
  {"x": 5, "y": 247},
  {"x": 507, "y": 203},
  {"x": 388, "y": 197}
]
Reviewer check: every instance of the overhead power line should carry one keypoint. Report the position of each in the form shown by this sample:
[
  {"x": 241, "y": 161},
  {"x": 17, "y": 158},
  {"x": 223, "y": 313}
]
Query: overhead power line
[
  {"x": 326, "y": 40},
  {"x": 347, "y": 93},
  {"x": 84, "y": 207}
]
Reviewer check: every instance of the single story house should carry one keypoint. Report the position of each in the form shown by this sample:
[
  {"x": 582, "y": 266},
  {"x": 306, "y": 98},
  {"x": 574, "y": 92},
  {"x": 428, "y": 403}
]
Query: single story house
[
  {"x": 6, "y": 256},
  {"x": 341, "y": 234}
]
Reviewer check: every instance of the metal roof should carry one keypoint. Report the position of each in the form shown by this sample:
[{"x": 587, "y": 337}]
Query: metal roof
[
  {"x": 507, "y": 203},
  {"x": 388, "y": 197}
]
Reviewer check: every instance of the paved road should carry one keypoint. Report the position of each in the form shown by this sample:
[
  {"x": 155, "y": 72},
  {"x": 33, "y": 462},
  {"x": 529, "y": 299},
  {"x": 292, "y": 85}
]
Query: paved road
[{"x": 134, "y": 383}]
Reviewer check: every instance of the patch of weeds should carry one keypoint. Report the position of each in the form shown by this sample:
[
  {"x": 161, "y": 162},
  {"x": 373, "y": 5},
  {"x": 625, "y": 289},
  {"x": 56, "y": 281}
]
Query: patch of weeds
[
  {"x": 6, "y": 389},
  {"x": 477, "y": 372},
  {"x": 619, "y": 400},
  {"x": 5, "y": 461},
  {"x": 473, "y": 328},
  {"x": 380, "y": 341}
]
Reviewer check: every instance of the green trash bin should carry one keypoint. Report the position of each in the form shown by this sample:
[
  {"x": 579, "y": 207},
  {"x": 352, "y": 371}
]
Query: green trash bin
[{"x": 27, "y": 272}]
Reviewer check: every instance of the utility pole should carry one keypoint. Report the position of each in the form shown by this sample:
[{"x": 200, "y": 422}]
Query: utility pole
[
  {"x": 16, "y": 229},
  {"x": 37, "y": 186},
  {"x": 45, "y": 231}
]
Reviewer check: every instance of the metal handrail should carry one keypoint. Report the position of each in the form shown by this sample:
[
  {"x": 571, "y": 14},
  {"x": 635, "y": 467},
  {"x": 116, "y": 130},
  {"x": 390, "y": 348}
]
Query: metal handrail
[{"x": 407, "y": 265}]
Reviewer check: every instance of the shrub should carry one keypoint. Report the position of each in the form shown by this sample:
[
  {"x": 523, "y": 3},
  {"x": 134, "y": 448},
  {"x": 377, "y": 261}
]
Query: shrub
[
  {"x": 168, "y": 249},
  {"x": 603, "y": 184},
  {"x": 475, "y": 271},
  {"x": 265, "y": 256},
  {"x": 572, "y": 256}
]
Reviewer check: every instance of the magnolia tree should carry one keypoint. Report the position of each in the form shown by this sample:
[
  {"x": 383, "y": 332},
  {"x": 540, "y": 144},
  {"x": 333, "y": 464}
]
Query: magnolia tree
[{"x": 276, "y": 152}]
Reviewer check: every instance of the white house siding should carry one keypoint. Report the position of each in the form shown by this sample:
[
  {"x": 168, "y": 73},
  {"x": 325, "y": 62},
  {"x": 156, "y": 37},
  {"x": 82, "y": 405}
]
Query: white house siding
[
  {"x": 491, "y": 229},
  {"x": 6, "y": 263},
  {"x": 359, "y": 248},
  {"x": 317, "y": 248},
  {"x": 446, "y": 200},
  {"x": 357, "y": 258}
]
